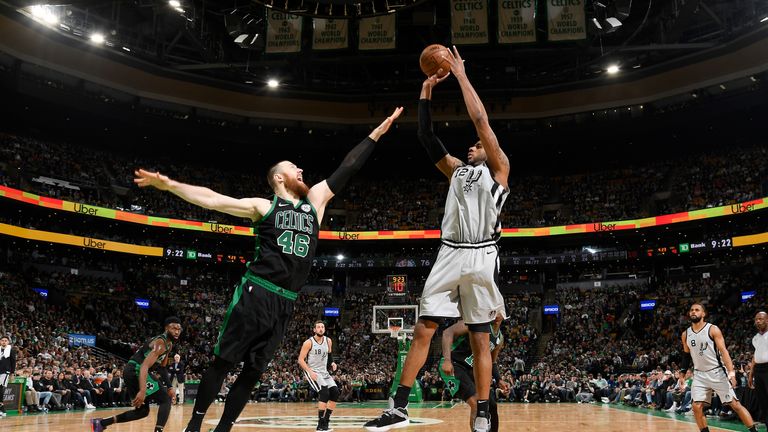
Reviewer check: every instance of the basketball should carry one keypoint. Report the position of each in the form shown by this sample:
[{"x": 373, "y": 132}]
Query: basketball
[{"x": 431, "y": 60}]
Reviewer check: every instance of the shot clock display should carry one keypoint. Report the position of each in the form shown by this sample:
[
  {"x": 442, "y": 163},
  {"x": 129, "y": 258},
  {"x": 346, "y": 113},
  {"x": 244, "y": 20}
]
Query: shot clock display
[{"x": 397, "y": 288}]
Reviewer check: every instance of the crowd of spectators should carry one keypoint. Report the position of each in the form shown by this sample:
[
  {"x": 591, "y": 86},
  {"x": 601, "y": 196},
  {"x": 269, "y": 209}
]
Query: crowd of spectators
[{"x": 106, "y": 179}]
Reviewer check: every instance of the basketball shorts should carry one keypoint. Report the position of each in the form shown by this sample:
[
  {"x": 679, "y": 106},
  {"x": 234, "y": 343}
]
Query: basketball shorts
[
  {"x": 462, "y": 284},
  {"x": 714, "y": 381},
  {"x": 462, "y": 383},
  {"x": 254, "y": 324},
  {"x": 324, "y": 379},
  {"x": 131, "y": 376}
]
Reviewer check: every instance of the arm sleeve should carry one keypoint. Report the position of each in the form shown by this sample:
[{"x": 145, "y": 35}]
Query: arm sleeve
[
  {"x": 165, "y": 376},
  {"x": 350, "y": 165},
  {"x": 13, "y": 361},
  {"x": 435, "y": 148},
  {"x": 495, "y": 372},
  {"x": 330, "y": 359},
  {"x": 686, "y": 361}
]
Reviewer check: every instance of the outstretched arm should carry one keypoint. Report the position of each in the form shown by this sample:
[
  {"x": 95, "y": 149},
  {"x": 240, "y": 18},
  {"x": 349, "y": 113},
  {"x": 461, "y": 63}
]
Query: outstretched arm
[
  {"x": 251, "y": 208},
  {"x": 435, "y": 148},
  {"x": 321, "y": 193},
  {"x": 497, "y": 160}
]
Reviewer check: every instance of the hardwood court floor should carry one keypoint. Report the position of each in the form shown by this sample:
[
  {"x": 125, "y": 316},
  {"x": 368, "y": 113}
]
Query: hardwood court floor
[{"x": 428, "y": 417}]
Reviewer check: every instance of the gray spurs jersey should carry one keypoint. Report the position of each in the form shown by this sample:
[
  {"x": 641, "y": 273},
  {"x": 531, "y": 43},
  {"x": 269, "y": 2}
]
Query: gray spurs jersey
[
  {"x": 317, "y": 359},
  {"x": 704, "y": 353},
  {"x": 472, "y": 207}
]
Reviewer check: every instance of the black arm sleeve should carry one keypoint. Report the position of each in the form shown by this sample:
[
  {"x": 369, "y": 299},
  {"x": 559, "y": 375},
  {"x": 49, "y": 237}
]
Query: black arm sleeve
[
  {"x": 330, "y": 359},
  {"x": 350, "y": 165},
  {"x": 165, "y": 376},
  {"x": 495, "y": 372},
  {"x": 685, "y": 364},
  {"x": 435, "y": 148}
]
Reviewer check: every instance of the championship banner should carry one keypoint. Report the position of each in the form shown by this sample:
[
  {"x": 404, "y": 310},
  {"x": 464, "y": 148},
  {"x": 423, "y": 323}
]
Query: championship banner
[
  {"x": 517, "y": 21},
  {"x": 283, "y": 33},
  {"x": 82, "y": 340},
  {"x": 469, "y": 22},
  {"x": 377, "y": 33},
  {"x": 566, "y": 20},
  {"x": 328, "y": 34}
]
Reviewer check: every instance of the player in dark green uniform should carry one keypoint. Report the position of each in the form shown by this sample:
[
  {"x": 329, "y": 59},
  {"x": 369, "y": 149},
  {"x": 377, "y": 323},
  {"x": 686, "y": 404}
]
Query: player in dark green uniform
[
  {"x": 148, "y": 387},
  {"x": 456, "y": 367},
  {"x": 286, "y": 229}
]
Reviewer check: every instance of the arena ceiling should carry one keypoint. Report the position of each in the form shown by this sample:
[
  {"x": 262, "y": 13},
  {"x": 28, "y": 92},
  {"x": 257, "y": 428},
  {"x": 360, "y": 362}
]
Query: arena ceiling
[{"x": 196, "y": 39}]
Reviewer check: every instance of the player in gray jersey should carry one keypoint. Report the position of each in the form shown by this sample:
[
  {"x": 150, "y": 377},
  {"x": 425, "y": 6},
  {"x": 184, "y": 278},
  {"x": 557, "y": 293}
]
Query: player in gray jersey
[
  {"x": 318, "y": 352},
  {"x": 713, "y": 371},
  {"x": 462, "y": 282}
]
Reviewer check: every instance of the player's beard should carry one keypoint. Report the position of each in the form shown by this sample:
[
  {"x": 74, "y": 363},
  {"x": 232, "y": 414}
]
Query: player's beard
[
  {"x": 319, "y": 334},
  {"x": 694, "y": 319},
  {"x": 295, "y": 186}
]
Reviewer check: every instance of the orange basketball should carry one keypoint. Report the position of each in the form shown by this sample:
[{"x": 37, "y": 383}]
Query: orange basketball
[{"x": 431, "y": 60}]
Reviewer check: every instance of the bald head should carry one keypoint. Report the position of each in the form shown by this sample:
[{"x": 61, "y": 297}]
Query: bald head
[{"x": 761, "y": 321}]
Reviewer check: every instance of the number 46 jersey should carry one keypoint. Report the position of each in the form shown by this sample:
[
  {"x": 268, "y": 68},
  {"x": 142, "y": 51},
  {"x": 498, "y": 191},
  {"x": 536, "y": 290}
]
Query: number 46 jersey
[{"x": 286, "y": 240}]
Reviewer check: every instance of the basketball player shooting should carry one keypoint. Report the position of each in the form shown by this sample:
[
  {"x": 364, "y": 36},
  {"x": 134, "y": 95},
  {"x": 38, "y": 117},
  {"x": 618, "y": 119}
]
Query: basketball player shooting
[
  {"x": 462, "y": 282},
  {"x": 315, "y": 357},
  {"x": 287, "y": 228},
  {"x": 713, "y": 371}
]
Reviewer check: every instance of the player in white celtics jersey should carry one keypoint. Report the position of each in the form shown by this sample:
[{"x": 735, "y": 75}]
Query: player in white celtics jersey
[
  {"x": 713, "y": 371},
  {"x": 462, "y": 282},
  {"x": 318, "y": 352}
]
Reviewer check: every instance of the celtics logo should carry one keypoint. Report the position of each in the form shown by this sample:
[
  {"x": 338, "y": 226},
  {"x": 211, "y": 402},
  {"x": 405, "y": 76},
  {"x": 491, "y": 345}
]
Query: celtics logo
[{"x": 310, "y": 422}]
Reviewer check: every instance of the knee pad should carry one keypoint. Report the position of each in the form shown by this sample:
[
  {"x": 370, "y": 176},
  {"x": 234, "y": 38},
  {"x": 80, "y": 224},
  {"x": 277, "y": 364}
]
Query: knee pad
[
  {"x": 323, "y": 395},
  {"x": 334, "y": 393}
]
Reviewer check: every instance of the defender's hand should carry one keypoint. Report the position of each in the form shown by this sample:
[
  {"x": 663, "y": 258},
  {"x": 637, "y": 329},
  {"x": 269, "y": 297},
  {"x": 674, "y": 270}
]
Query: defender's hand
[{"x": 148, "y": 178}]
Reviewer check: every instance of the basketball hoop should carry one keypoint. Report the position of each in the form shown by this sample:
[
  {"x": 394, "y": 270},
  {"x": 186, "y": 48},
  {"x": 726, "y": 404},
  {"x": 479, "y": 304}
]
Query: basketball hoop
[
  {"x": 394, "y": 331},
  {"x": 394, "y": 325}
]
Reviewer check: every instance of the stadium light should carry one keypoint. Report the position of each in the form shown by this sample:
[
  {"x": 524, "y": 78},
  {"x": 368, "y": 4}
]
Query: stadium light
[
  {"x": 97, "y": 38},
  {"x": 340, "y": 257},
  {"x": 613, "y": 69},
  {"x": 273, "y": 83},
  {"x": 44, "y": 14},
  {"x": 174, "y": 3}
]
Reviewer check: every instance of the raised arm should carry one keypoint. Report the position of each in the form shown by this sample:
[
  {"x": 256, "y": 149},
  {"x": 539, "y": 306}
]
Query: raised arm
[
  {"x": 497, "y": 160},
  {"x": 251, "y": 208},
  {"x": 321, "y": 193},
  {"x": 432, "y": 144}
]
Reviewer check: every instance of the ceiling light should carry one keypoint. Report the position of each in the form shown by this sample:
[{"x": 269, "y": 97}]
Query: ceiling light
[
  {"x": 273, "y": 83},
  {"x": 97, "y": 38},
  {"x": 613, "y": 69}
]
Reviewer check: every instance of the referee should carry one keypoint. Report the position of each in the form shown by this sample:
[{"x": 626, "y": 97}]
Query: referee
[{"x": 759, "y": 369}]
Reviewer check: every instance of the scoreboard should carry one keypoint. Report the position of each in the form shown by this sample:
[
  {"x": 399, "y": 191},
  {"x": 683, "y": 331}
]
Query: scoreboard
[{"x": 397, "y": 288}]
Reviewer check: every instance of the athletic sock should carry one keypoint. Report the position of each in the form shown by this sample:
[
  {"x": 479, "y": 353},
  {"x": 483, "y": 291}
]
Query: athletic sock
[
  {"x": 107, "y": 421},
  {"x": 753, "y": 428},
  {"x": 320, "y": 414},
  {"x": 705, "y": 429},
  {"x": 482, "y": 408},
  {"x": 328, "y": 413},
  {"x": 401, "y": 396},
  {"x": 159, "y": 428}
]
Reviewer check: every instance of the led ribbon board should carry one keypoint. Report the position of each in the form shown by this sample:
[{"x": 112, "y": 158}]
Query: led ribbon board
[{"x": 596, "y": 227}]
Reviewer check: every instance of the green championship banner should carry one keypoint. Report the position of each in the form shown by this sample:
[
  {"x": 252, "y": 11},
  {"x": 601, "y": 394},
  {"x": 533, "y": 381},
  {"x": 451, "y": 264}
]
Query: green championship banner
[
  {"x": 517, "y": 21},
  {"x": 566, "y": 20},
  {"x": 283, "y": 32},
  {"x": 329, "y": 34},
  {"x": 469, "y": 22},
  {"x": 595, "y": 227}
]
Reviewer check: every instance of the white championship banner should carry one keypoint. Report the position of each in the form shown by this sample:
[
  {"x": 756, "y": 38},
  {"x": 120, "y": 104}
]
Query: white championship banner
[
  {"x": 377, "y": 33},
  {"x": 469, "y": 22},
  {"x": 283, "y": 33},
  {"x": 517, "y": 21},
  {"x": 328, "y": 34},
  {"x": 566, "y": 20}
]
